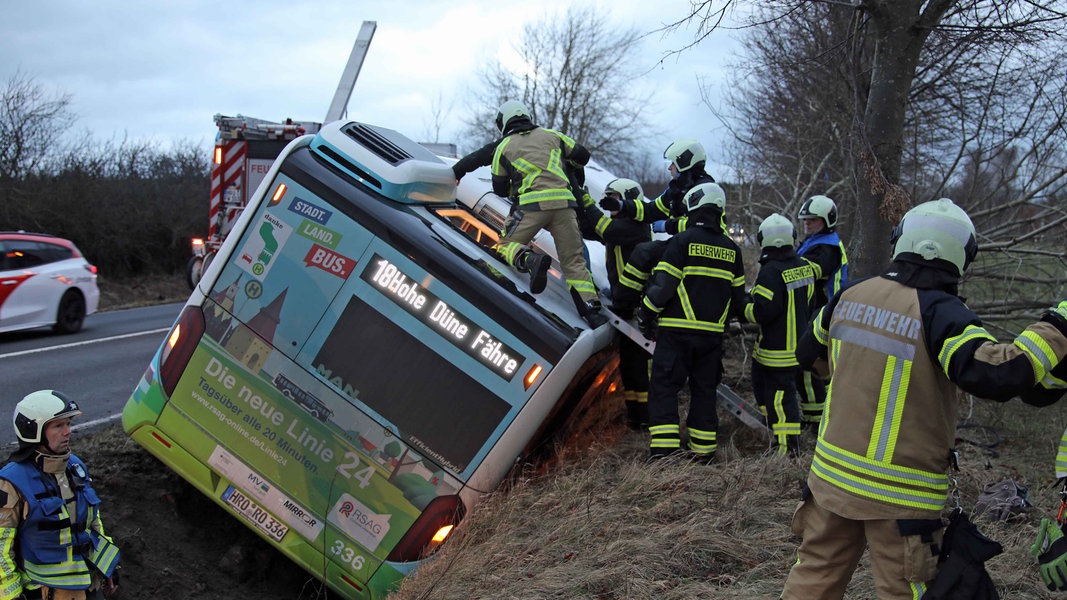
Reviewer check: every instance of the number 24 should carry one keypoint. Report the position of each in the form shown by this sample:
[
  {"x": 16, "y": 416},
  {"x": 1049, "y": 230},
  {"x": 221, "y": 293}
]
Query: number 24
[{"x": 348, "y": 469}]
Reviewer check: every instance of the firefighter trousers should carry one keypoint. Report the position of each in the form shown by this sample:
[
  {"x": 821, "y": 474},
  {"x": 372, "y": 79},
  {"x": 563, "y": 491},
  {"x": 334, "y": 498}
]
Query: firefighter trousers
[
  {"x": 633, "y": 365},
  {"x": 812, "y": 391},
  {"x": 832, "y": 545},
  {"x": 523, "y": 224},
  {"x": 775, "y": 391},
  {"x": 680, "y": 356}
]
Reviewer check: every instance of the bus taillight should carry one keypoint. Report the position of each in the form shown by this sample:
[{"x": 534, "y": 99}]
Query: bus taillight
[
  {"x": 179, "y": 347},
  {"x": 430, "y": 530}
]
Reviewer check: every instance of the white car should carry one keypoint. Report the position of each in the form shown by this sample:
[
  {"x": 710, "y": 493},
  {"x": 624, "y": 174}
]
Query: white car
[{"x": 44, "y": 281}]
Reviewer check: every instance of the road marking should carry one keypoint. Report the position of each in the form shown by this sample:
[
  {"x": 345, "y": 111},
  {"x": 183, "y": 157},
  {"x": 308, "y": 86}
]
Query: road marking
[
  {"x": 95, "y": 422},
  {"x": 85, "y": 343}
]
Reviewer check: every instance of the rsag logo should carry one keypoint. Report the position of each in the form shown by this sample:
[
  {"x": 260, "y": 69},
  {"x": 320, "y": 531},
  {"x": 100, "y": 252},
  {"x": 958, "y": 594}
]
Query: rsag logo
[
  {"x": 346, "y": 509},
  {"x": 359, "y": 522}
]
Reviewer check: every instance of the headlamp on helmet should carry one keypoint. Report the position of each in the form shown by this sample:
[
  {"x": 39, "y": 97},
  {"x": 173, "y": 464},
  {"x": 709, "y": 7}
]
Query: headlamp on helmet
[
  {"x": 776, "y": 231},
  {"x": 820, "y": 207},
  {"x": 508, "y": 111},
  {"x": 705, "y": 195},
  {"x": 937, "y": 230},
  {"x": 684, "y": 154},
  {"x": 36, "y": 410}
]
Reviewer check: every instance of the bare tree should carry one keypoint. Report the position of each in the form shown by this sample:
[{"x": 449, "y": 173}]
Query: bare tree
[
  {"x": 898, "y": 58},
  {"x": 577, "y": 78},
  {"x": 439, "y": 112},
  {"x": 31, "y": 122},
  {"x": 985, "y": 125},
  {"x": 791, "y": 112}
]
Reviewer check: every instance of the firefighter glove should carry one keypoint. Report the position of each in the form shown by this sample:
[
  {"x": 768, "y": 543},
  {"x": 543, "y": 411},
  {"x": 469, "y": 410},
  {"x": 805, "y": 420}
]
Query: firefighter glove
[
  {"x": 583, "y": 196},
  {"x": 1050, "y": 548},
  {"x": 646, "y": 322},
  {"x": 610, "y": 203},
  {"x": 659, "y": 226},
  {"x": 1057, "y": 315}
]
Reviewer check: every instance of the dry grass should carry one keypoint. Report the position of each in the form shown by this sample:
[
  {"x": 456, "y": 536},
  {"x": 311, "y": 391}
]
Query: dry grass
[
  {"x": 603, "y": 524},
  {"x": 599, "y": 523},
  {"x": 142, "y": 291}
]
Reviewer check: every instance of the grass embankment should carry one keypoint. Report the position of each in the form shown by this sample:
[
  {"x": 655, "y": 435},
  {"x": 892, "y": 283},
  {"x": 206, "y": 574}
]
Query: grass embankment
[
  {"x": 600, "y": 523},
  {"x": 142, "y": 291}
]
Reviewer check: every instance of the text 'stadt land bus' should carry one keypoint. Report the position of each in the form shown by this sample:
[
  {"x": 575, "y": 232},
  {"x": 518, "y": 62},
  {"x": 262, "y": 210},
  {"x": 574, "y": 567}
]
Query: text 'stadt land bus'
[{"x": 356, "y": 369}]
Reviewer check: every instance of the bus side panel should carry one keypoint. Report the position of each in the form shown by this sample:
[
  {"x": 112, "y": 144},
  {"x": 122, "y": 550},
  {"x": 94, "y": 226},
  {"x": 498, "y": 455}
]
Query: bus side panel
[
  {"x": 194, "y": 471},
  {"x": 243, "y": 413},
  {"x": 147, "y": 400}
]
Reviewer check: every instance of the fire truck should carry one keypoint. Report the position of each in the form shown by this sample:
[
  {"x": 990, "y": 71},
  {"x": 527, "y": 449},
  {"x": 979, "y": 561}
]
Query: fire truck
[{"x": 245, "y": 148}]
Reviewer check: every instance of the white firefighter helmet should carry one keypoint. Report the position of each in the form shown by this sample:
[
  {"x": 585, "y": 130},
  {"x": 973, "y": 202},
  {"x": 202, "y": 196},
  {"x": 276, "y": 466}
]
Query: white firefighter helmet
[
  {"x": 704, "y": 195},
  {"x": 683, "y": 154},
  {"x": 820, "y": 207},
  {"x": 776, "y": 231},
  {"x": 34, "y": 411},
  {"x": 627, "y": 189},
  {"x": 508, "y": 111},
  {"x": 937, "y": 230}
]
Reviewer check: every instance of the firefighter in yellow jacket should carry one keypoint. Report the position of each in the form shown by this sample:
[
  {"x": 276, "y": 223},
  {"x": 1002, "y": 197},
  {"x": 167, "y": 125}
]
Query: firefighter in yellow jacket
[
  {"x": 531, "y": 166},
  {"x": 1050, "y": 547},
  {"x": 897, "y": 346},
  {"x": 52, "y": 541}
]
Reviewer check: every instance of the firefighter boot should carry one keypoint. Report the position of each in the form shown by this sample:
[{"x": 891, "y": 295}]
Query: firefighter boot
[
  {"x": 593, "y": 315},
  {"x": 636, "y": 415},
  {"x": 537, "y": 266}
]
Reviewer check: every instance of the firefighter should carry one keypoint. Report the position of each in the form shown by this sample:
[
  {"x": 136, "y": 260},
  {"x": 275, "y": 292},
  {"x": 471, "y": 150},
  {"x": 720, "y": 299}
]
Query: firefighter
[
  {"x": 52, "y": 538},
  {"x": 897, "y": 346},
  {"x": 620, "y": 236},
  {"x": 821, "y": 247},
  {"x": 686, "y": 163},
  {"x": 530, "y": 166},
  {"x": 1050, "y": 547},
  {"x": 780, "y": 303},
  {"x": 695, "y": 288}
]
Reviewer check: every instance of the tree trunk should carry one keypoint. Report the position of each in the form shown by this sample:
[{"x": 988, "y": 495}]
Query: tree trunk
[{"x": 900, "y": 31}]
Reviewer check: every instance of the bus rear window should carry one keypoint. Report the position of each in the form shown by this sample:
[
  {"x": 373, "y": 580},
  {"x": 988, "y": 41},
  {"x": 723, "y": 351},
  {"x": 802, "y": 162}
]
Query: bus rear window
[{"x": 440, "y": 410}]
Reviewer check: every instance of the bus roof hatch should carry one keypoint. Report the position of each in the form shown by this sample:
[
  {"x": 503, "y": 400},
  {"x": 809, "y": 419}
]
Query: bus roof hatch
[{"x": 386, "y": 160}]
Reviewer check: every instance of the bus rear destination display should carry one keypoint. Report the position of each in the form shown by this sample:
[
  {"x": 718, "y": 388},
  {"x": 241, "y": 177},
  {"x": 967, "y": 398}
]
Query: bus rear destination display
[{"x": 436, "y": 313}]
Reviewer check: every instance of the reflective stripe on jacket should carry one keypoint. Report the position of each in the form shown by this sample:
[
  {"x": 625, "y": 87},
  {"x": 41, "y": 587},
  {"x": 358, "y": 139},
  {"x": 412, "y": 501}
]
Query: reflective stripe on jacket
[
  {"x": 781, "y": 305},
  {"x": 833, "y": 272},
  {"x": 532, "y": 161},
  {"x": 53, "y": 551},
  {"x": 896, "y": 355},
  {"x": 700, "y": 280}
]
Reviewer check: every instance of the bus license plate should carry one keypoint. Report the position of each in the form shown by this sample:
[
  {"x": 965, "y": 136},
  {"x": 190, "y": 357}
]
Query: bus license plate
[{"x": 248, "y": 509}]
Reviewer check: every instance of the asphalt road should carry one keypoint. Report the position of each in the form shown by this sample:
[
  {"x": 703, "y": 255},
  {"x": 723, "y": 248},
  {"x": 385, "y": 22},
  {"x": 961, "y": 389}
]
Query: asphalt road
[{"x": 98, "y": 366}]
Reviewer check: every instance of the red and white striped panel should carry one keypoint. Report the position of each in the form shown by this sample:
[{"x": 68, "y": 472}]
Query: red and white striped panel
[{"x": 223, "y": 176}]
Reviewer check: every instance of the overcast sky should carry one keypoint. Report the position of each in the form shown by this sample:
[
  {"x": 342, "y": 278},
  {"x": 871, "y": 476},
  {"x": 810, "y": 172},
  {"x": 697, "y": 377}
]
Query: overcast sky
[{"x": 159, "y": 70}]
